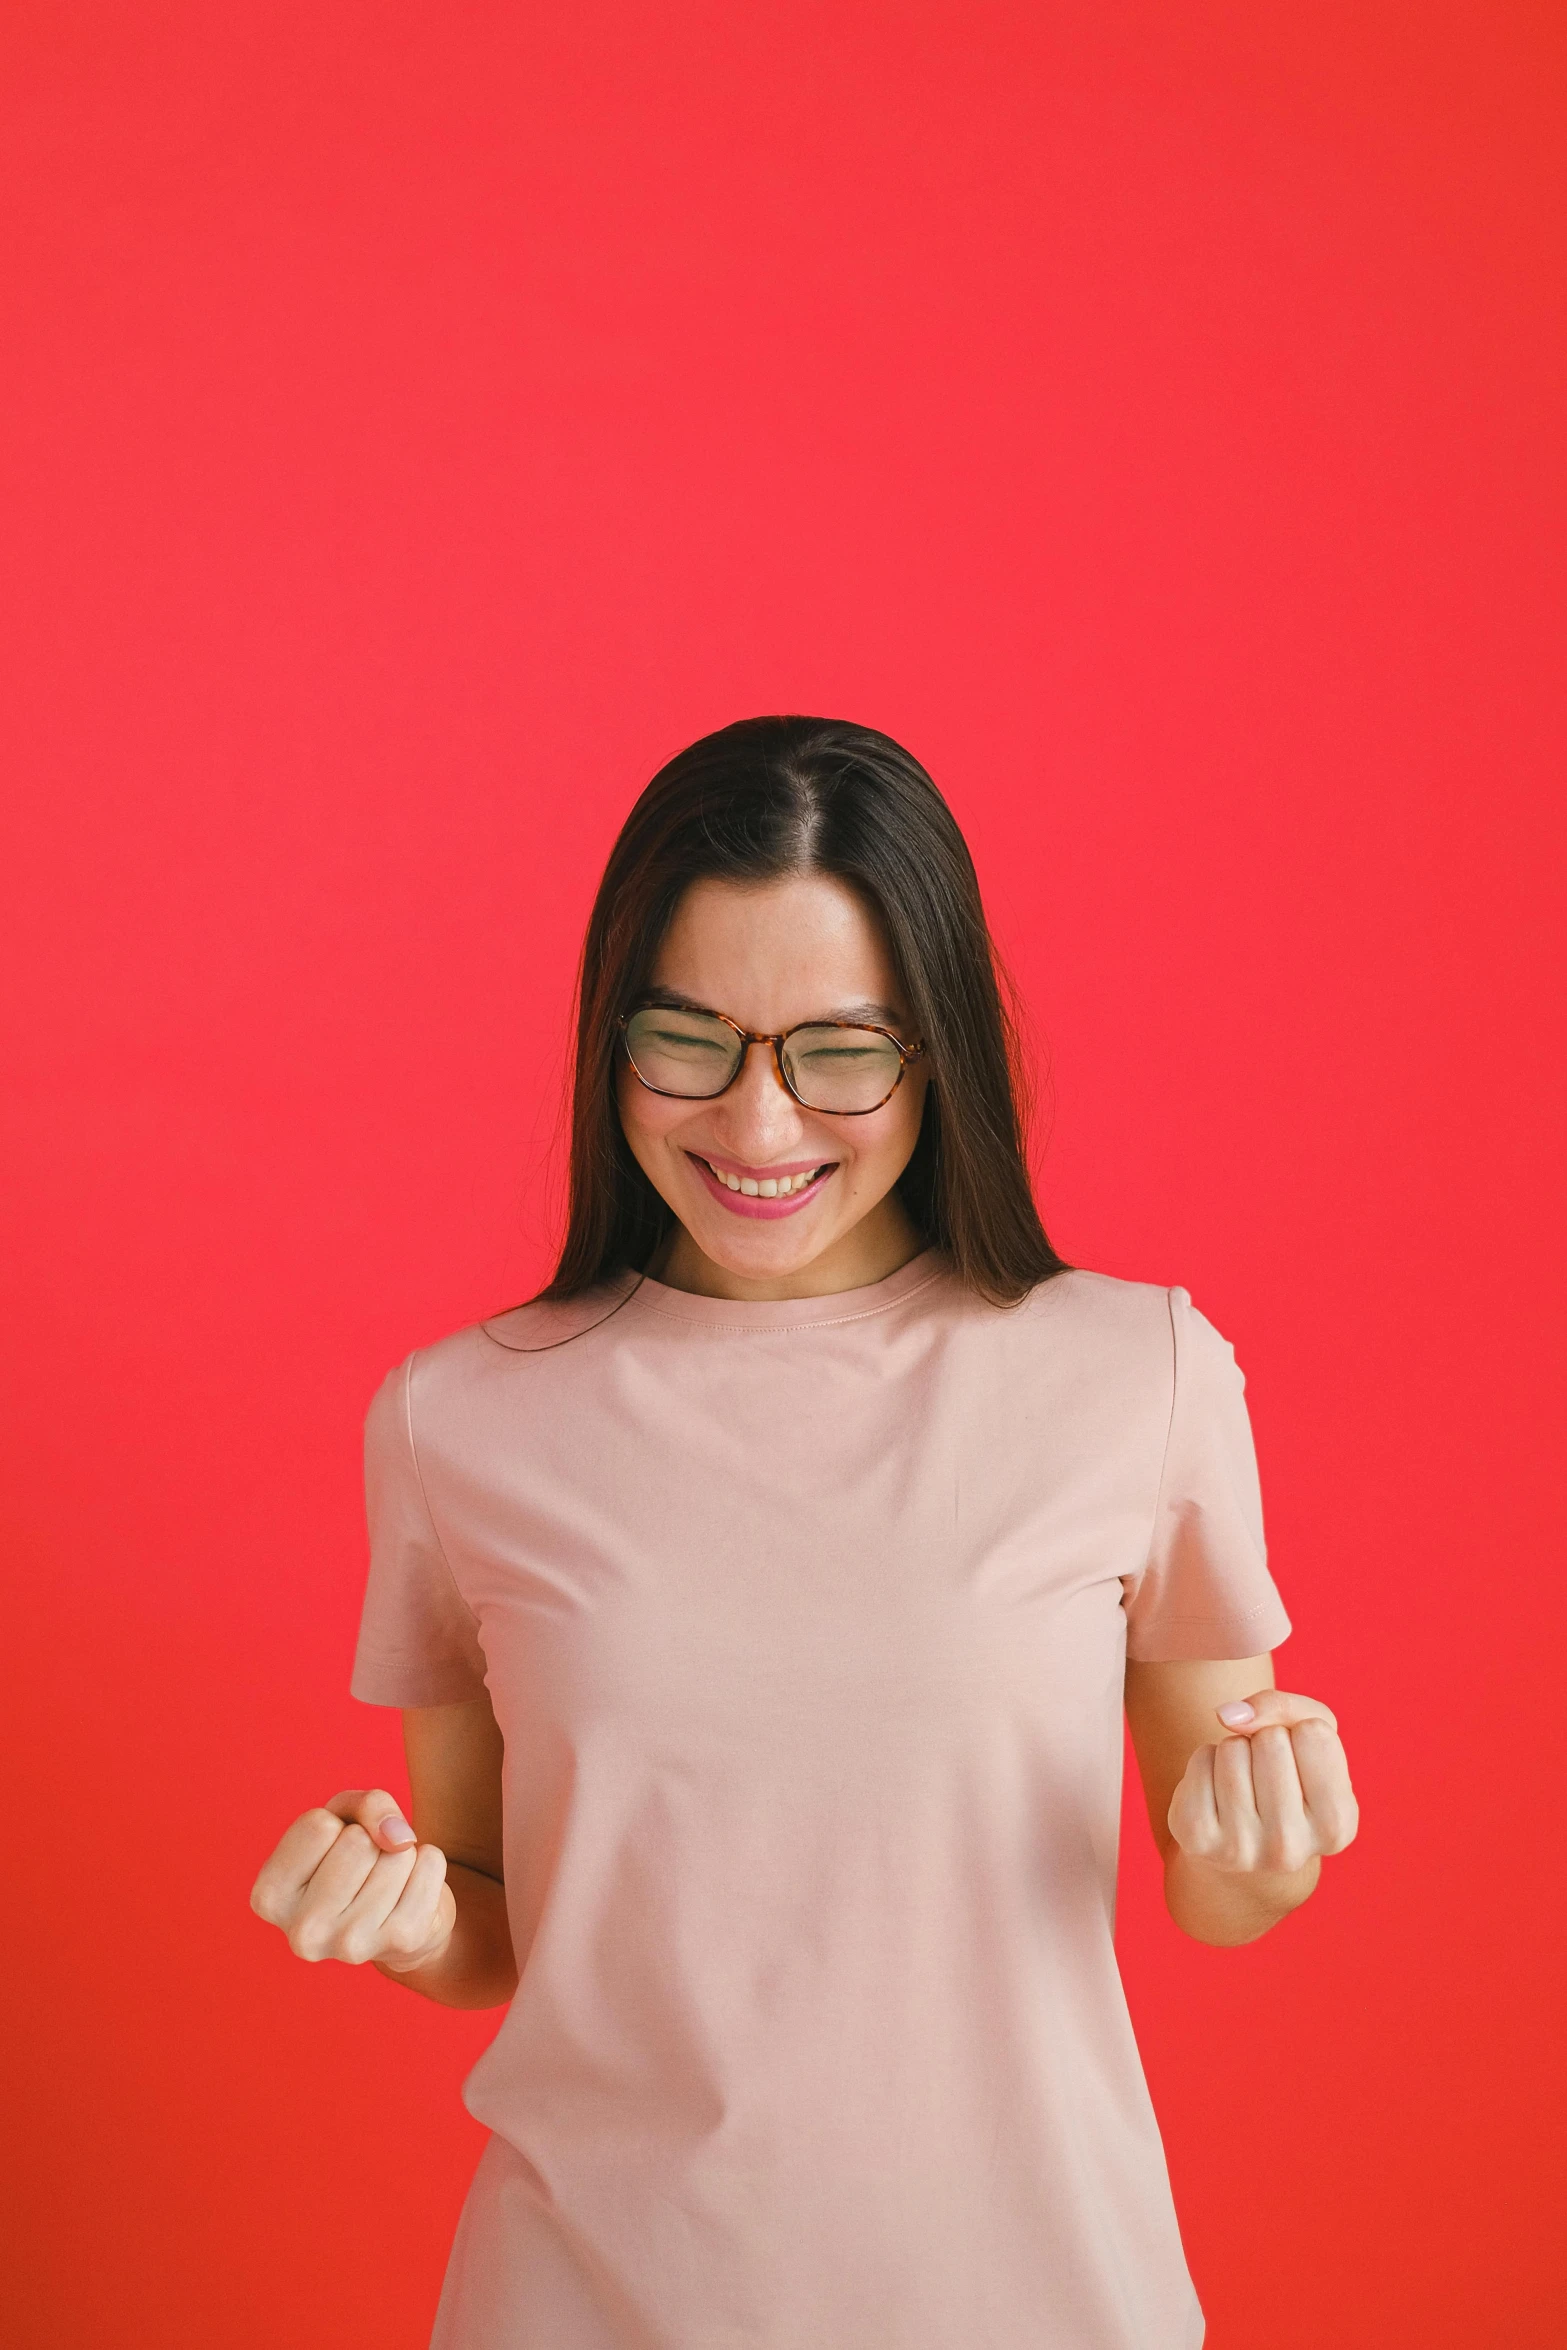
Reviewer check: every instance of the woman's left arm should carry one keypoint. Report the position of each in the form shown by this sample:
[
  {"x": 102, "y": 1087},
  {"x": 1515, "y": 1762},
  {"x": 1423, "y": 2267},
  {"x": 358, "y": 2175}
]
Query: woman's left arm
[{"x": 1243, "y": 1805}]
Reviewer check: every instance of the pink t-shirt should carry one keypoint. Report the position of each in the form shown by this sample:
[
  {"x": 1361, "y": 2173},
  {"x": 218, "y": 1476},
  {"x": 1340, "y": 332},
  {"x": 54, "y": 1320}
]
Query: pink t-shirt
[{"x": 804, "y": 1624}]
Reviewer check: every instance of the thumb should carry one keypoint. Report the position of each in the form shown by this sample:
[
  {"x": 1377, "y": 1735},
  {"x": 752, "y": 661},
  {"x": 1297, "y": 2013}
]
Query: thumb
[
  {"x": 379, "y": 1813},
  {"x": 1266, "y": 1708}
]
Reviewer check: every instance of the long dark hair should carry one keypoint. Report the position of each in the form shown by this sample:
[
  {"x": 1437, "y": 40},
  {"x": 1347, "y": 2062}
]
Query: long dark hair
[{"x": 772, "y": 796}]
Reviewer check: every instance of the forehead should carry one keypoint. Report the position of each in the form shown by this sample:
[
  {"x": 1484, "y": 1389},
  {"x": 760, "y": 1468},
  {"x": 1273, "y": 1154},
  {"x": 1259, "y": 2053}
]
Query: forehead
[{"x": 769, "y": 953}]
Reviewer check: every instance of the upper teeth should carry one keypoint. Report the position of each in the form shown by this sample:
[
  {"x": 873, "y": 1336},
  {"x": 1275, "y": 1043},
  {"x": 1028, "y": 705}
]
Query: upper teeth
[{"x": 767, "y": 1186}]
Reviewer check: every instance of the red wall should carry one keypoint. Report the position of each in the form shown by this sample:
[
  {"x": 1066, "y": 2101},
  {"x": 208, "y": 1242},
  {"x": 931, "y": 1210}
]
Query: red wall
[{"x": 420, "y": 422}]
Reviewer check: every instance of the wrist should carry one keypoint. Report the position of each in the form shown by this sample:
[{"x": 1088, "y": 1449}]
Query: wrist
[
  {"x": 1226, "y": 1907},
  {"x": 401, "y": 1964}
]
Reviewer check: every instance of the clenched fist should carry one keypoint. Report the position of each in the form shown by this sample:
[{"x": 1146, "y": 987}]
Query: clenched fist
[
  {"x": 350, "y": 1881},
  {"x": 1275, "y": 1794}
]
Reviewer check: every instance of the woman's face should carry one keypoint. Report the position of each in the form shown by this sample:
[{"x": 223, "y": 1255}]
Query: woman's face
[{"x": 770, "y": 955}]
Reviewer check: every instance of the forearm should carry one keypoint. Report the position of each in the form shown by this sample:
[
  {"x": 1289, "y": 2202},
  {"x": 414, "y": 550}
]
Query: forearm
[
  {"x": 477, "y": 1967},
  {"x": 1227, "y": 1907}
]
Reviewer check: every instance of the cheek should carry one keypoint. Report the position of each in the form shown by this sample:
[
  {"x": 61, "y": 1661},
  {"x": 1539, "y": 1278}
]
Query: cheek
[
  {"x": 645, "y": 1118},
  {"x": 886, "y": 1150}
]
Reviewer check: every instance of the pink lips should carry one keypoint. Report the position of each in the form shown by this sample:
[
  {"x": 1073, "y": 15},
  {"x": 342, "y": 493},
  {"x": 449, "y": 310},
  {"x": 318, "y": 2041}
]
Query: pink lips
[{"x": 740, "y": 1203}]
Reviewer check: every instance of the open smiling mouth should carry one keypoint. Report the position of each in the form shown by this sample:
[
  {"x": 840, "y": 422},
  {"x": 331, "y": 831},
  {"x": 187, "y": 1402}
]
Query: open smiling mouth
[{"x": 772, "y": 1187}]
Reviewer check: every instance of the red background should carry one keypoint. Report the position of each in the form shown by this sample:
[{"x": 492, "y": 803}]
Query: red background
[{"x": 421, "y": 422}]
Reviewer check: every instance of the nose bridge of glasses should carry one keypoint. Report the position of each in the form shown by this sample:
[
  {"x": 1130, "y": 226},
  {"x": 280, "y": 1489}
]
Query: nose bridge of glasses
[{"x": 748, "y": 1037}]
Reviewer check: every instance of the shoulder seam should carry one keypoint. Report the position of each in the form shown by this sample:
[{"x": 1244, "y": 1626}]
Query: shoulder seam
[
  {"x": 413, "y": 1454},
  {"x": 1169, "y": 1431}
]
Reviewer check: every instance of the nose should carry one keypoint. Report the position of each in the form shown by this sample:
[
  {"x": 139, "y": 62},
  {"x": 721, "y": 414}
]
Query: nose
[{"x": 758, "y": 1116}]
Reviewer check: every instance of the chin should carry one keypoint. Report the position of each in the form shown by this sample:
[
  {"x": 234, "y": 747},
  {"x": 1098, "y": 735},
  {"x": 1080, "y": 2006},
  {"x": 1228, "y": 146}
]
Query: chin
[
  {"x": 765, "y": 1253},
  {"x": 759, "y": 1251}
]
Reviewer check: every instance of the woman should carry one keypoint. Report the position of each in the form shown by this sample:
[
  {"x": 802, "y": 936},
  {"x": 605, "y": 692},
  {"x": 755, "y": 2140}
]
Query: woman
[{"x": 761, "y": 1599}]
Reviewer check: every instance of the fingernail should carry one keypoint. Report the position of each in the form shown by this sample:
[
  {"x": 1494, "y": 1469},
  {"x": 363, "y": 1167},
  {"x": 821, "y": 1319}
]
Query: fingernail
[
  {"x": 395, "y": 1830},
  {"x": 1237, "y": 1713}
]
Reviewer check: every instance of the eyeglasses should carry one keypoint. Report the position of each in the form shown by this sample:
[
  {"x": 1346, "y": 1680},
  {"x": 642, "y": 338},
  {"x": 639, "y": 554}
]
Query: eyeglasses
[{"x": 844, "y": 1067}]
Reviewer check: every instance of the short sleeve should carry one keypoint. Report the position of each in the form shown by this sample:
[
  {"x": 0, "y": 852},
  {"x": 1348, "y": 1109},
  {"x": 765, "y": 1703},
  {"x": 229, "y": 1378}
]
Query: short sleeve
[
  {"x": 418, "y": 1639},
  {"x": 1204, "y": 1589}
]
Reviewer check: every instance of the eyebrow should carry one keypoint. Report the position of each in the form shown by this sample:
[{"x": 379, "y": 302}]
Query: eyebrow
[{"x": 671, "y": 999}]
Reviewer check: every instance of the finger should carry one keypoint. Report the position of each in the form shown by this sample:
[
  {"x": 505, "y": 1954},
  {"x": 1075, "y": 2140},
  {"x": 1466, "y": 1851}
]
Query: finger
[
  {"x": 1264, "y": 1707},
  {"x": 288, "y": 1870},
  {"x": 1286, "y": 1840},
  {"x": 415, "y": 1923},
  {"x": 1194, "y": 1816},
  {"x": 1324, "y": 1779},
  {"x": 318, "y": 1912},
  {"x": 1240, "y": 1830},
  {"x": 361, "y": 1923},
  {"x": 379, "y": 1814}
]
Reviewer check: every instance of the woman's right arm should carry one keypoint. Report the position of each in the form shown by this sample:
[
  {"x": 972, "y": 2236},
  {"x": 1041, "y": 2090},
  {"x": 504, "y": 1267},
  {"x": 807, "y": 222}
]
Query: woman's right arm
[{"x": 425, "y": 1904}]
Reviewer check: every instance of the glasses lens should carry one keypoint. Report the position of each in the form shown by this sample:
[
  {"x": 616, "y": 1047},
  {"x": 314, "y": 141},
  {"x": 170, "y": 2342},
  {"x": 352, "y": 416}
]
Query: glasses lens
[
  {"x": 841, "y": 1068},
  {"x": 688, "y": 1053}
]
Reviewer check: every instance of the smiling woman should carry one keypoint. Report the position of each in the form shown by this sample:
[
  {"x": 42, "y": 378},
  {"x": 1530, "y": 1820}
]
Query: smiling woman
[
  {"x": 778, "y": 875},
  {"x": 762, "y": 1599},
  {"x": 825, "y": 1109}
]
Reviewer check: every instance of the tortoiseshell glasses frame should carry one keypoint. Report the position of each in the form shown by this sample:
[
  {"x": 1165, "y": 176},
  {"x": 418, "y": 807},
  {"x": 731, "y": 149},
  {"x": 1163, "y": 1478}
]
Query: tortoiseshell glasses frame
[{"x": 746, "y": 1037}]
